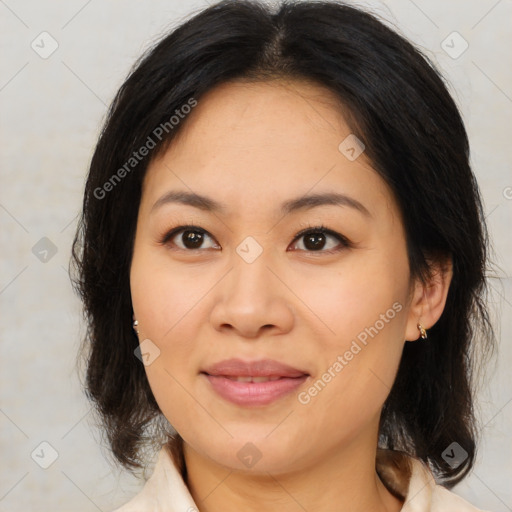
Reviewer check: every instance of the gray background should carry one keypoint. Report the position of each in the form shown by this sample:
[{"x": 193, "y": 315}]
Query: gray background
[{"x": 51, "y": 111}]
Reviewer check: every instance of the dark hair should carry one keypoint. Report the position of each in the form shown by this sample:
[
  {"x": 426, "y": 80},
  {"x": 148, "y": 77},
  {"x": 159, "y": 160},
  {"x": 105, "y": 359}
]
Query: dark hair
[{"x": 397, "y": 103}]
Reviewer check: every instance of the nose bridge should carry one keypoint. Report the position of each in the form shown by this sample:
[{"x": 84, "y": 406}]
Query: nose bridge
[
  {"x": 252, "y": 296},
  {"x": 251, "y": 274}
]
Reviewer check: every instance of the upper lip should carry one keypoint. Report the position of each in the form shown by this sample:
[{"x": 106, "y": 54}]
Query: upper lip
[{"x": 260, "y": 368}]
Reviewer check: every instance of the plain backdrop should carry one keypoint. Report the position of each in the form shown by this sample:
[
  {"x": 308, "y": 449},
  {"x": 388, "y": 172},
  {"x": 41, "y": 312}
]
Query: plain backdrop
[{"x": 52, "y": 106}]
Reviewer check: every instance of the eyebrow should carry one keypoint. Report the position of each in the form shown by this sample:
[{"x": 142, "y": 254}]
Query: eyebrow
[{"x": 300, "y": 203}]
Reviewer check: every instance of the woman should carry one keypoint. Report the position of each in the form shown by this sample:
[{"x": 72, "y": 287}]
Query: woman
[{"x": 281, "y": 255}]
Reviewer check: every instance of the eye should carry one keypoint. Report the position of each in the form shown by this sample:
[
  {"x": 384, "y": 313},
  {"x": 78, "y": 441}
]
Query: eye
[
  {"x": 192, "y": 237},
  {"x": 316, "y": 239}
]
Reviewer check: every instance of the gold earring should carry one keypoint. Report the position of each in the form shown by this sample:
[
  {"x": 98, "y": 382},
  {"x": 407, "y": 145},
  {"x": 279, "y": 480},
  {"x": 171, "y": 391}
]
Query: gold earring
[
  {"x": 423, "y": 332},
  {"x": 135, "y": 325}
]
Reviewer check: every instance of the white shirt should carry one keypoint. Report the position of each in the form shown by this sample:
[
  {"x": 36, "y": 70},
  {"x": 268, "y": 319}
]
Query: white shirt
[{"x": 165, "y": 490}]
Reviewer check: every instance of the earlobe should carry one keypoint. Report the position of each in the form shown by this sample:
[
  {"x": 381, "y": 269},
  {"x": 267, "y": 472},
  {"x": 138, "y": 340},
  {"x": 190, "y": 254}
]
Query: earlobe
[{"x": 429, "y": 300}]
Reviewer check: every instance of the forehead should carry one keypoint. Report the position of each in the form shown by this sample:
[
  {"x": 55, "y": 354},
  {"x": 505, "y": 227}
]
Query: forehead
[
  {"x": 262, "y": 143},
  {"x": 270, "y": 116}
]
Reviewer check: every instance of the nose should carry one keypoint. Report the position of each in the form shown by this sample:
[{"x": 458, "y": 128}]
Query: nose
[{"x": 251, "y": 299}]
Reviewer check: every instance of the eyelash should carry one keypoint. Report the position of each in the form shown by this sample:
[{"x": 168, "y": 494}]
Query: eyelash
[{"x": 345, "y": 243}]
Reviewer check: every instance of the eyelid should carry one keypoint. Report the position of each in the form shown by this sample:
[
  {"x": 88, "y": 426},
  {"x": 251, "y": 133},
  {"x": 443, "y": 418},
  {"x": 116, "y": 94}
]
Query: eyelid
[
  {"x": 184, "y": 227},
  {"x": 321, "y": 228},
  {"x": 344, "y": 241},
  {"x": 181, "y": 227},
  {"x": 309, "y": 229}
]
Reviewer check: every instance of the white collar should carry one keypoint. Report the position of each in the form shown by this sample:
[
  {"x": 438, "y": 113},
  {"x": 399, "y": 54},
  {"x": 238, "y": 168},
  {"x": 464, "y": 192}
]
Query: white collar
[{"x": 165, "y": 490}]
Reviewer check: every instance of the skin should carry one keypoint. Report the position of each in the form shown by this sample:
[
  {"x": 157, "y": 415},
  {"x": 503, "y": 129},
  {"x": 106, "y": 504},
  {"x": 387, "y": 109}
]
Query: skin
[{"x": 252, "y": 147}]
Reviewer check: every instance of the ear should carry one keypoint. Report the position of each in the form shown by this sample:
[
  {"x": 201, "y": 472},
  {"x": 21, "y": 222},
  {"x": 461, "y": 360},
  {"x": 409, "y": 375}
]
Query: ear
[{"x": 428, "y": 300}]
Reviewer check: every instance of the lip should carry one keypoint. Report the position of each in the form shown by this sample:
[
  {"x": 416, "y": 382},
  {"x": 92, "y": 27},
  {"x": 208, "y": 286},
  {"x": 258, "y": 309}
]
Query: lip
[
  {"x": 258, "y": 368},
  {"x": 253, "y": 393}
]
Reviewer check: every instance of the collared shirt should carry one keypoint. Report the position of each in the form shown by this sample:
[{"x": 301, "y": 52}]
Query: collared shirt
[{"x": 407, "y": 477}]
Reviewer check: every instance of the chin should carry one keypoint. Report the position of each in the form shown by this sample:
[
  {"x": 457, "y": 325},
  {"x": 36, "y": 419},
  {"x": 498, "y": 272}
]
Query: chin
[{"x": 255, "y": 454}]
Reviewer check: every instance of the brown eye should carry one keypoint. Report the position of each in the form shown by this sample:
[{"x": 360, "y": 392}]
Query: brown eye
[
  {"x": 317, "y": 239},
  {"x": 314, "y": 241},
  {"x": 192, "y": 239},
  {"x": 320, "y": 239},
  {"x": 188, "y": 238}
]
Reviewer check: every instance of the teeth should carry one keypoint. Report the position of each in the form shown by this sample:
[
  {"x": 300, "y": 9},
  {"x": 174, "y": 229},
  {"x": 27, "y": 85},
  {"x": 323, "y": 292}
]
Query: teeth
[{"x": 253, "y": 379}]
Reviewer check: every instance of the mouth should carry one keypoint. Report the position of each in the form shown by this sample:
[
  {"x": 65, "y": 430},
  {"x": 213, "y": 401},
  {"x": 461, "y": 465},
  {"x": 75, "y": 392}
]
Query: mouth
[
  {"x": 267, "y": 368},
  {"x": 250, "y": 379},
  {"x": 253, "y": 383}
]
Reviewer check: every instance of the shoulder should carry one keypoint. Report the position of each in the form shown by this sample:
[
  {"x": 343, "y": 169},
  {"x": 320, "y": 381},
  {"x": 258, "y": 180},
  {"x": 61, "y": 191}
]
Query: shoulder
[
  {"x": 444, "y": 500},
  {"x": 136, "y": 504},
  {"x": 411, "y": 479},
  {"x": 164, "y": 490}
]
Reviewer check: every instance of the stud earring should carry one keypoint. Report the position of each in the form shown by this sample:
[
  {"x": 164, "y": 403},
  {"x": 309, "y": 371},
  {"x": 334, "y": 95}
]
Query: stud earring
[
  {"x": 423, "y": 332},
  {"x": 135, "y": 325}
]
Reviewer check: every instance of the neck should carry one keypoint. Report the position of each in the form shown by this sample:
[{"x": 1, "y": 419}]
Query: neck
[{"x": 346, "y": 477}]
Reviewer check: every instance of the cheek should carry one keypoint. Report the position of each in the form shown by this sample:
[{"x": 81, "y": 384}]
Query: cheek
[
  {"x": 164, "y": 293},
  {"x": 363, "y": 293},
  {"x": 164, "y": 300},
  {"x": 363, "y": 312}
]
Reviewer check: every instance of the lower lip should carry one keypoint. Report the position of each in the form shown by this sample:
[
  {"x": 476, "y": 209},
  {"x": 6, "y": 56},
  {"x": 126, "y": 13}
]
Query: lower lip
[{"x": 254, "y": 393}]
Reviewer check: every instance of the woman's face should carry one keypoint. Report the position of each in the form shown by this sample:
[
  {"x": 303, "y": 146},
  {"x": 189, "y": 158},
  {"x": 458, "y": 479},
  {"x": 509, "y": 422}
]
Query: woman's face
[{"x": 242, "y": 285}]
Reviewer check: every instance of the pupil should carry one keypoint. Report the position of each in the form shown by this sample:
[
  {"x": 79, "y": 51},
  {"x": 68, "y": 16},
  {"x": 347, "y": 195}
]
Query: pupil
[
  {"x": 192, "y": 239},
  {"x": 318, "y": 239}
]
